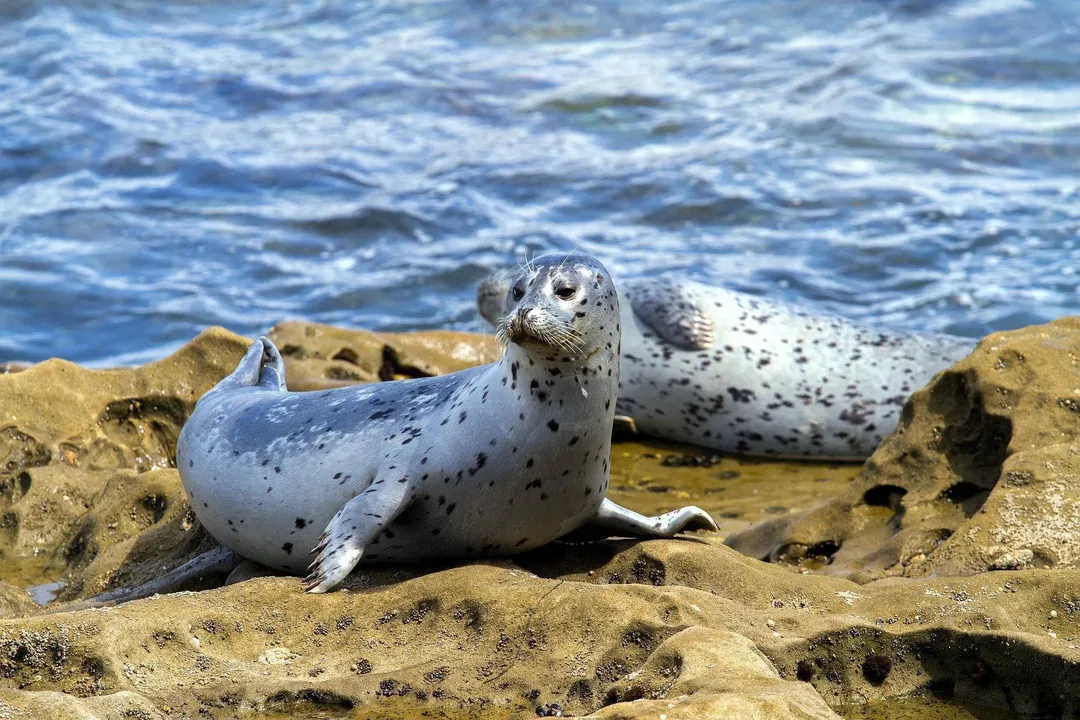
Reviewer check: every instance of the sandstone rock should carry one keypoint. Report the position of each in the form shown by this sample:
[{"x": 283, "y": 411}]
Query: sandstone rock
[
  {"x": 684, "y": 628},
  {"x": 125, "y": 705},
  {"x": 14, "y": 602},
  {"x": 321, "y": 356},
  {"x": 985, "y": 463},
  {"x": 611, "y": 629},
  {"x": 86, "y": 456}
]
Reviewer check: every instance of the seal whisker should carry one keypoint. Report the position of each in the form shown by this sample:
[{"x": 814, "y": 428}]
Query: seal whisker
[
  {"x": 568, "y": 255},
  {"x": 500, "y": 332}
]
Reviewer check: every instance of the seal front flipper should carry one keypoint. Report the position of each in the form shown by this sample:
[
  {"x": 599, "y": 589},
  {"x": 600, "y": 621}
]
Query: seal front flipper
[
  {"x": 621, "y": 521},
  {"x": 353, "y": 528},
  {"x": 669, "y": 310}
]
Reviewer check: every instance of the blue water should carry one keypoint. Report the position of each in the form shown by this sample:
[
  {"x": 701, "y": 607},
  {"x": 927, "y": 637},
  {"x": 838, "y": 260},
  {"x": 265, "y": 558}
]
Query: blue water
[{"x": 166, "y": 166}]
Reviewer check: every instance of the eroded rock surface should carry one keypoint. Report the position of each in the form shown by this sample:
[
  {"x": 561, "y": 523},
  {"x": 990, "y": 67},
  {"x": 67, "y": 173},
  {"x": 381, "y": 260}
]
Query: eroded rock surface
[
  {"x": 320, "y": 356},
  {"x": 686, "y": 628},
  {"x": 689, "y": 628},
  {"x": 983, "y": 473}
]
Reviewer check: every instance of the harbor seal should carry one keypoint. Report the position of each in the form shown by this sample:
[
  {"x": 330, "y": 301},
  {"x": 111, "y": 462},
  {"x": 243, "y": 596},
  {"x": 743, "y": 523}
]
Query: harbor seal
[
  {"x": 752, "y": 376},
  {"x": 494, "y": 460}
]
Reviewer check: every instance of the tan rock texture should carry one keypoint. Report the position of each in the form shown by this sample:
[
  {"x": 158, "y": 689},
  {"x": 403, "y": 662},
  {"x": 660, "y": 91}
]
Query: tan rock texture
[
  {"x": 982, "y": 473},
  {"x": 685, "y": 628},
  {"x": 319, "y": 356}
]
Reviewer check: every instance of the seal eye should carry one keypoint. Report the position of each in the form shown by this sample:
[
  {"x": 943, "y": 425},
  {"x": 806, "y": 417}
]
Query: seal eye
[
  {"x": 517, "y": 294},
  {"x": 565, "y": 292}
]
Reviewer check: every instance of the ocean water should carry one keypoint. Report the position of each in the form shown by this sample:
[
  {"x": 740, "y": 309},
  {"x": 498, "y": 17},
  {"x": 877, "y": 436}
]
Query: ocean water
[{"x": 166, "y": 166}]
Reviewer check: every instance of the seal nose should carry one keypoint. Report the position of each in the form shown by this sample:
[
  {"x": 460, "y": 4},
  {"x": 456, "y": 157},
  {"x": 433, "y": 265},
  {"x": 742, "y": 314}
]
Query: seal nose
[{"x": 517, "y": 324}]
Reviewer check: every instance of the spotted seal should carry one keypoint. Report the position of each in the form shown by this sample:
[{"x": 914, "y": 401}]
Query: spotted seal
[
  {"x": 742, "y": 374},
  {"x": 494, "y": 460}
]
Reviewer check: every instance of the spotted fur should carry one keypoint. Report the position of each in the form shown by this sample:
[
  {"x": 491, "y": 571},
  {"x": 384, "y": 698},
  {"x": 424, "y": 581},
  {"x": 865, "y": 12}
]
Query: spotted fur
[
  {"x": 747, "y": 375},
  {"x": 494, "y": 460}
]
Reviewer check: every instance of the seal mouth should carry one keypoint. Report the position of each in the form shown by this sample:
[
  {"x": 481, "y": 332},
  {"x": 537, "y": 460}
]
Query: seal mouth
[
  {"x": 523, "y": 328},
  {"x": 518, "y": 330}
]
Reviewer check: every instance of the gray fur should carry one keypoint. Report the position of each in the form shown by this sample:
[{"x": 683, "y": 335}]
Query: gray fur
[
  {"x": 493, "y": 460},
  {"x": 746, "y": 375}
]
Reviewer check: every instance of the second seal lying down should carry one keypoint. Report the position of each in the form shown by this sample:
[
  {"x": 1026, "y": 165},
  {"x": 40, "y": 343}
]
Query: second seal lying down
[
  {"x": 747, "y": 375},
  {"x": 494, "y": 460}
]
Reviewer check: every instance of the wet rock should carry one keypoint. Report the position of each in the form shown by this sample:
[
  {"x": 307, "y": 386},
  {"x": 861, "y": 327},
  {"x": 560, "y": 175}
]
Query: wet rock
[
  {"x": 690, "y": 460},
  {"x": 982, "y": 473}
]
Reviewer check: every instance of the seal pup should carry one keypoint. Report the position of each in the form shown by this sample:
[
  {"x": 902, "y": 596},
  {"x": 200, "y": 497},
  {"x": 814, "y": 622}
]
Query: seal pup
[
  {"x": 494, "y": 460},
  {"x": 751, "y": 376}
]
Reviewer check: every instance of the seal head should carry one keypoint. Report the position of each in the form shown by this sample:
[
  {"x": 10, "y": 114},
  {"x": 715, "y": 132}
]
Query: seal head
[
  {"x": 492, "y": 295},
  {"x": 547, "y": 306}
]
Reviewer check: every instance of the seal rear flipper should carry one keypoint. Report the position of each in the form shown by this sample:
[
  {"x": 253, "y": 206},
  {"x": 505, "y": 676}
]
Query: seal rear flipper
[
  {"x": 247, "y": 371},
  {"x": 261, "y": 366},
  {"x": 218, "y": 561},
  {"x": 668, "y": 309},
  {"x": 272, "y": 372},
  {"x": 353, "y": 528},
  {"x": 627, "y": 522}
]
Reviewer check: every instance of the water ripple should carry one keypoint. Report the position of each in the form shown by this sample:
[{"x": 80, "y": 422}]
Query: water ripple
[{"x": 165, "y": 166}]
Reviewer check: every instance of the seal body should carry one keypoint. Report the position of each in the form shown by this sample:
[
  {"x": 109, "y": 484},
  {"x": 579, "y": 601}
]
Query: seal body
[
  {"x": 494, "y": 460},
  {"x": 742, "y": 374}
]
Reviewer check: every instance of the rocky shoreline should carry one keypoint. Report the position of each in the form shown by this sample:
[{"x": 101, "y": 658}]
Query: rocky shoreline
[{"x": 945, "y": 568}]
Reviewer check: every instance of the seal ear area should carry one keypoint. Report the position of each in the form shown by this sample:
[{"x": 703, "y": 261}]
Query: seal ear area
[
  {"x": 669, "y": 310},
  {"x": 353, "y": 528}
]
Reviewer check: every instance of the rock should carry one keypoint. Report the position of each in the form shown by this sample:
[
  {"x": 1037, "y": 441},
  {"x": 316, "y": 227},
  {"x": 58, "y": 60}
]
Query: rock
[
  {"x": 322, "y": 356},
  {"x": 684, "y": 628},
  {"x": 679, "y": 627},
  {"x": 86, "y": 461},
  {"x": 125, "y": 705},
  {"x": 278, "y": 656},
  {"x": 1013, "y": 560},
  {"x": 87, "y": 456},
  {"x": 12, "y": 367},
  {"x": 982, "y": 473},
  {"x": 14, "y": 602}
]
